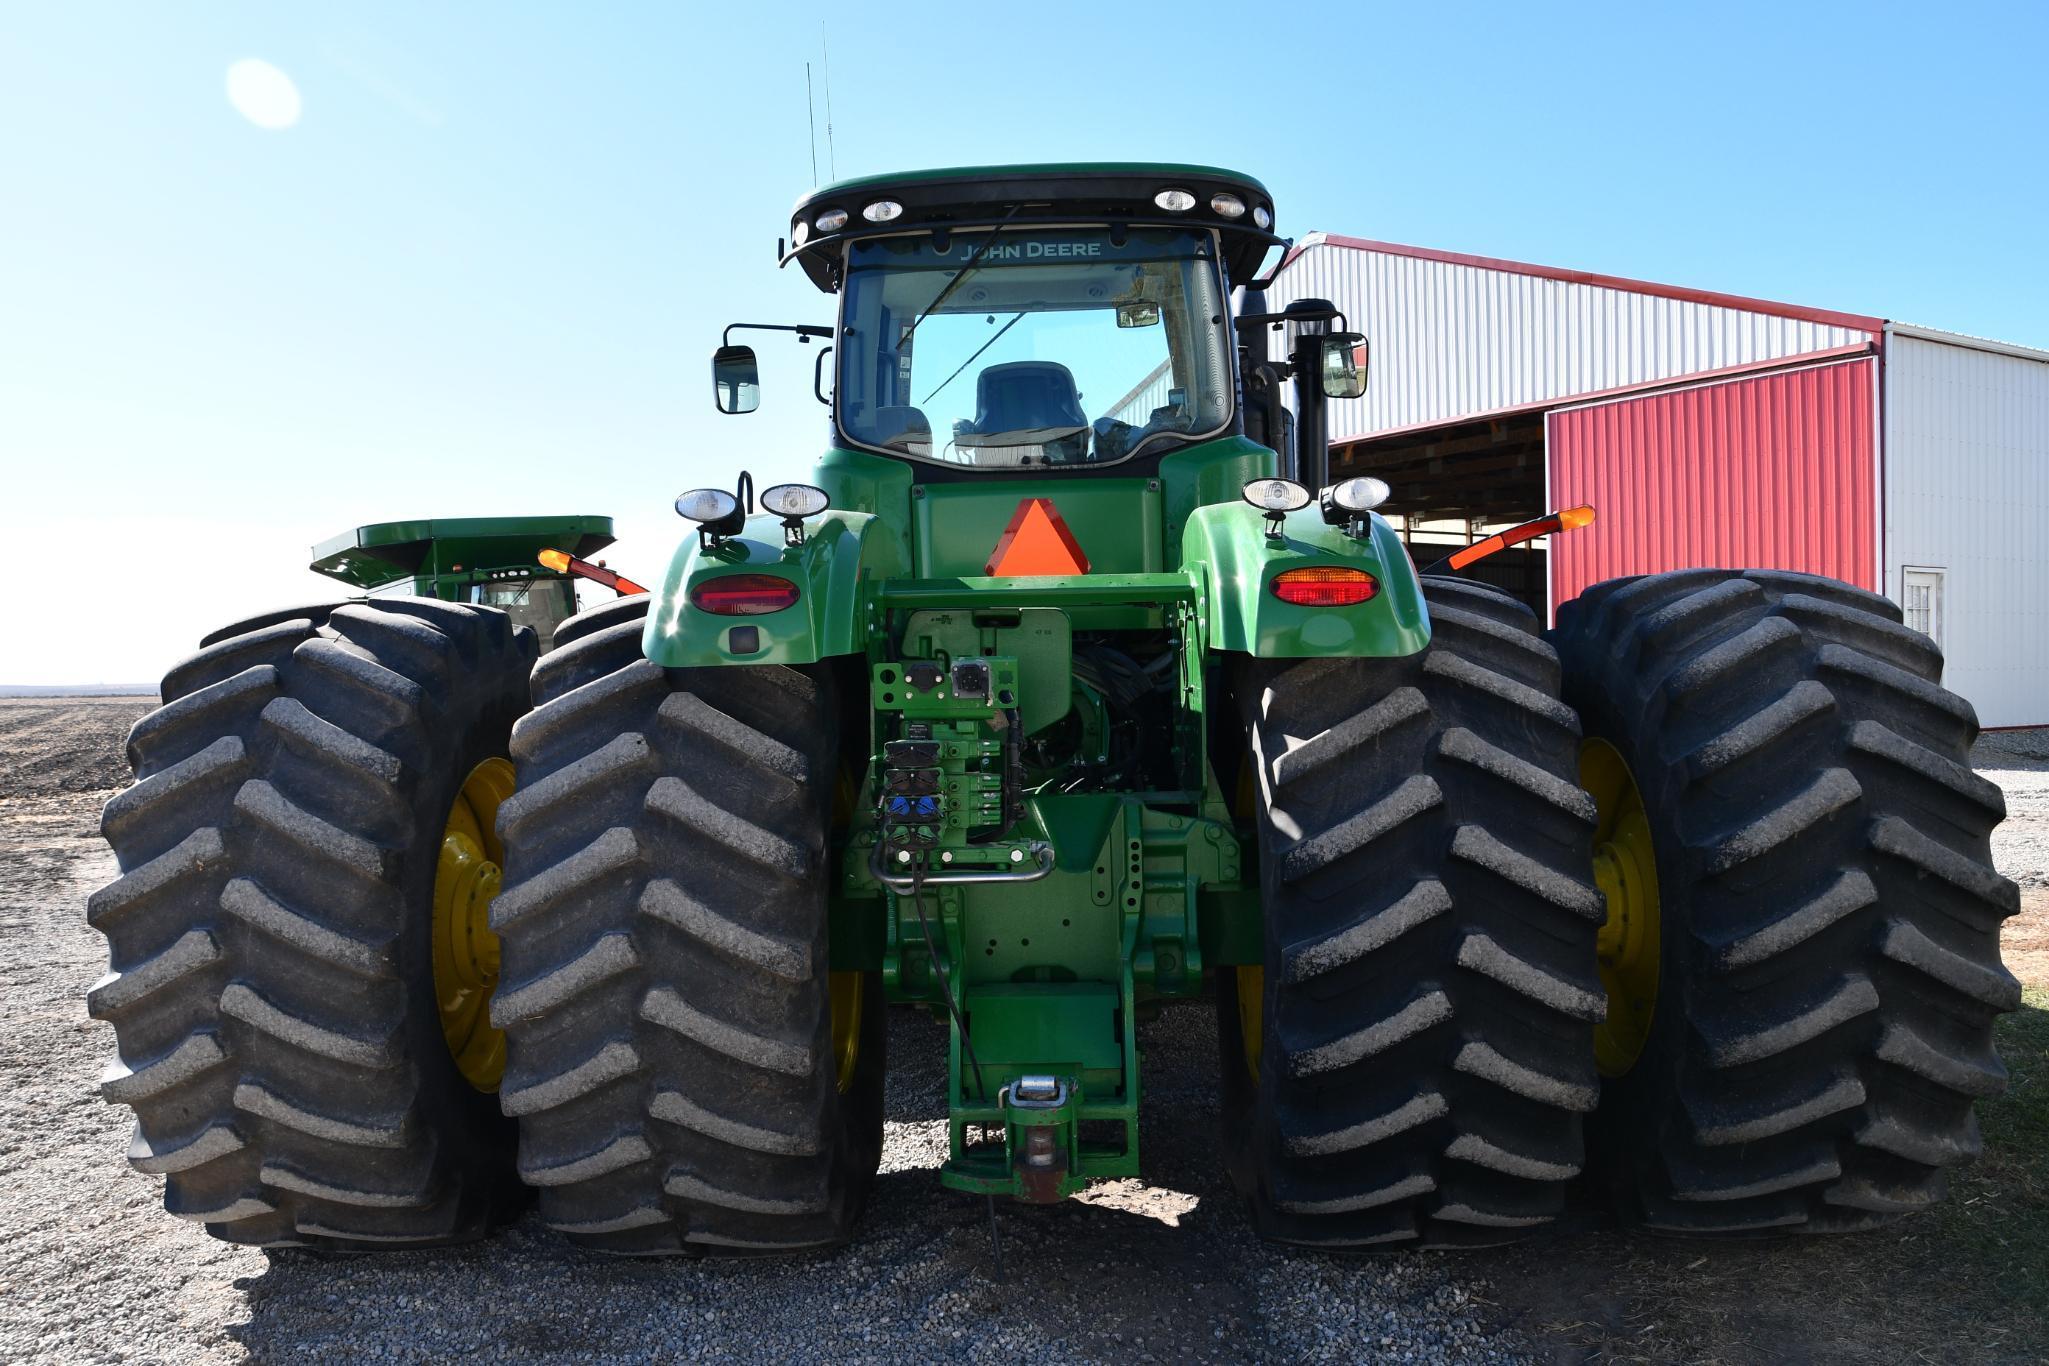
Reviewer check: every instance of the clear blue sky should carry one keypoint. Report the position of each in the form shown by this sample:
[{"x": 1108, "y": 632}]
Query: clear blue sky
[{"x": 483, "y": 271}]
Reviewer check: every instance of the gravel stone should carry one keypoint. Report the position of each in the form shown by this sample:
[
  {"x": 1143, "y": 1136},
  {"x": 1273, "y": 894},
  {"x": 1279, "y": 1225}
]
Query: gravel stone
[{"x": 2018, "y": 760}]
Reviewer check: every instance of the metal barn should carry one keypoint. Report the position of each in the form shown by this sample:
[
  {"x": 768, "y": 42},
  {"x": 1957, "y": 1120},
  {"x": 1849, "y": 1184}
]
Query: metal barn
[{"x": 1706, "y": 429}]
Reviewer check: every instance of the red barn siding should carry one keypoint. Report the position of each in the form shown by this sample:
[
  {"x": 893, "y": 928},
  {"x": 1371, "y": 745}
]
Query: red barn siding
[{"x": 1771, "y": 471}]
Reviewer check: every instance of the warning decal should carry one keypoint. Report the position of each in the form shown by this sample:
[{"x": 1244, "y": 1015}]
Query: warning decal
[{"x": 1037, "y": 541}]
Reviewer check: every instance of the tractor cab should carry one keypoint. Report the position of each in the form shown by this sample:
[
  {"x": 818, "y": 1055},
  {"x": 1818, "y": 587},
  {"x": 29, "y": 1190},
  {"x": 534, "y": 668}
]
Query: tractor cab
[
  {"x": 1056, "y": 348},
  {"x": 1031, "y": 318},
  {"x": 999, "y": 327}
]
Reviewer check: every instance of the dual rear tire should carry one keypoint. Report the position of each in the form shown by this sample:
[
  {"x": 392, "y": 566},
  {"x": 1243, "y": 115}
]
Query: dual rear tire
[
  {"x": 298, "y": 994},
  {"x": 687, "y": 1073},
  {"x": 271, "y": 933},
  {"x": 1797, "y": 1046},
  {"x": 1792, "y": 905},
  {"x": 1822, "y": 1002},
  {"x": 1420, "y": 1057}
]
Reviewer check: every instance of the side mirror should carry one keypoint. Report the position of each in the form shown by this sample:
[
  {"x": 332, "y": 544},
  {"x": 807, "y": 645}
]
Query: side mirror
[
  {"x": 735, "y": 379},
  {"x": 1344, "y": 365}
]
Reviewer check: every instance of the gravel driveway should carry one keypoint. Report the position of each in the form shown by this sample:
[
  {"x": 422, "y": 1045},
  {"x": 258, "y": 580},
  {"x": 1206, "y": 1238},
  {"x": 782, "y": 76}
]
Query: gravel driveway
[
  {"x": 91, "y": 1268},
  {"x": 1162, "y": 1270}
]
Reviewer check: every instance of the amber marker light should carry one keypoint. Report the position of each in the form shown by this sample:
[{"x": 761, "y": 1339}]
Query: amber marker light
[
  {"x": 1569, "y": 520},
  {"x": 562, "y": 562}
]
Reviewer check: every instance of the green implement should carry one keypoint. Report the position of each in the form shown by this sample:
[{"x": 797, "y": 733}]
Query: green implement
[{"x": 493, "y": 561}]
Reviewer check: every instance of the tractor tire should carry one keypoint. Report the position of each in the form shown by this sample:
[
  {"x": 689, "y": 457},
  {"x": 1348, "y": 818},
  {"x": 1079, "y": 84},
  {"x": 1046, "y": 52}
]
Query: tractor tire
[
  {"x": 273, "y": 994},
  {"x": 667, "y": 1002},
  {"x": 1829, "y": 916},
  {"x": 1428, "y": 993}
]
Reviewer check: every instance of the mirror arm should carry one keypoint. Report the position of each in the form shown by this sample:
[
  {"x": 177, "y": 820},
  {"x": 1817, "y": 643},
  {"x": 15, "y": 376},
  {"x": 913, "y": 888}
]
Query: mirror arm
[
  {"x": 1287, "y": 246},
  {"x": 805, "y": 331},
  {"x": 1301, "y": 311}
]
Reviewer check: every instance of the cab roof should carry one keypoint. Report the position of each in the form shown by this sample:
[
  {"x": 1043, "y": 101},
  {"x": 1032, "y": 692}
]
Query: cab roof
[
  {"x": 1044, "y": 193},
  {"x": 372, "y": 556}
]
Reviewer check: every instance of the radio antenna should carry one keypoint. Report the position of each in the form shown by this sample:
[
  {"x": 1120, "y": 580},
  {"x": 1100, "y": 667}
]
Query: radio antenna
[
  {"x": 811, "y": 118},
  {"x": 832, "y": 160}
]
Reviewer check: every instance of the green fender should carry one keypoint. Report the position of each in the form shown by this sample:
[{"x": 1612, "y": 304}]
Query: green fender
[
  {"x": 1226, "y": 548},
  {"x": 835, "y": 570}
]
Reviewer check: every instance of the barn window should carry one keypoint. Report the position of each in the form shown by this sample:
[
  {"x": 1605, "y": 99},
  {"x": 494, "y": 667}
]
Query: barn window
[{"x": 1921, "y": 600}]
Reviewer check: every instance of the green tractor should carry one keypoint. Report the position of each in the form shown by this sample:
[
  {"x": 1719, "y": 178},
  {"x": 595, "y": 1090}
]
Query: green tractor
[
  {"x": 516, "y": 564},
  {"x": 1071, "y": 687}
]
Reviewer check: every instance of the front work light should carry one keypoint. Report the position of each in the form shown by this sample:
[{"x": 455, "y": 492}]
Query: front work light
[
  {"x": 718, "y": 514},
  {"x": 1358, "y": 495},
  {"x": 707, "y": 506},
  {"x": 1276, "y": 498},
  {"x": 1325, "y": 586},
  {"x": 793, "y": 503},
  {"x": 1346, "y": 503},
  {"x": 1175, "y": 201},
  {"x": 744, "y": 595},
  {"x": 794, "y": 500},
  {"x": 832, "y": 220},
  {"x": 1276, "y": 495},
  {"x": 883, "y": 211}
]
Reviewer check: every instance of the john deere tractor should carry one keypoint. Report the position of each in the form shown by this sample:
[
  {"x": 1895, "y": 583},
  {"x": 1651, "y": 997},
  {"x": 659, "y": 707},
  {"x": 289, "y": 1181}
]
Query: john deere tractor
[
  {"x": 516, "y": 564},
  {"x": 1069, "y": 688}
]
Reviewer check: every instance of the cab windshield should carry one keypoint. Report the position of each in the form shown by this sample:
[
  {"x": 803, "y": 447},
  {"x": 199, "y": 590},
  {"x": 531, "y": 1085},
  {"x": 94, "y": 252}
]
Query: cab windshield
[{"x": 1061, "y": 347}]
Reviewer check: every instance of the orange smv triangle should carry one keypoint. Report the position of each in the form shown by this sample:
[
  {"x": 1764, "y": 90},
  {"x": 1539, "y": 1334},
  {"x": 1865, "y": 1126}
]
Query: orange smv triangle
[{"x": 1037, "y": 541}]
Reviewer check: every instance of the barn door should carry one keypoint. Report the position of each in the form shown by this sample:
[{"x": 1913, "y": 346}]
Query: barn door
[{"x": 1768, "y": 471}]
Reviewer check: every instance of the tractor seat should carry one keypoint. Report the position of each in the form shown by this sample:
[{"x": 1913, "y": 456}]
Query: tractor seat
[
  {"x": 1026, "y": 395},
  {"x": 901, "y": 425}
]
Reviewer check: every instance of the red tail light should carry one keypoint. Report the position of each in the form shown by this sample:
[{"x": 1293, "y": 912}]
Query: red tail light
[
  {"x": 1331, "y": 586},
  {"x": 744, "y": 595}
]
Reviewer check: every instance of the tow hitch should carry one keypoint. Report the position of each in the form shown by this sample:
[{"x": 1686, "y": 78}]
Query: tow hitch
[{"x": 1038, "y": 1117}]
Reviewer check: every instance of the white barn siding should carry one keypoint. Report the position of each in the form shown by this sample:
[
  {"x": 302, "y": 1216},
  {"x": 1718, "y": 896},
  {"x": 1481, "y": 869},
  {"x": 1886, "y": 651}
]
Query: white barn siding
[
  {"x": 1966, "y": 479},
  {"x": 1136, "y": 406},
  {"x": 1454, "y": 340}
]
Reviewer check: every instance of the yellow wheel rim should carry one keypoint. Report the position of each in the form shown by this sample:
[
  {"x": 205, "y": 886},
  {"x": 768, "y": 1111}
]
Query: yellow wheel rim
[
  {"x": 465, "y": 950},
  {"x": 845, "y": 989},
  {"x": 1251, "y": 980},
  {"x": 1251, "y": 1001},
  {"x": 1626, "y": 870}
]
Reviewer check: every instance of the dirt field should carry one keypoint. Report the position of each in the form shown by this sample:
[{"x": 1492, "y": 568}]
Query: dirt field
[{"x": 1163, "y": 1269}]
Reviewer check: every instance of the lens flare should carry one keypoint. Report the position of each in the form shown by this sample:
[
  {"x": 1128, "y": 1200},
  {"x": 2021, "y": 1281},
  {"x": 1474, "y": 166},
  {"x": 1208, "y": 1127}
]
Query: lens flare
[{"x": 262, "y": 94}]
